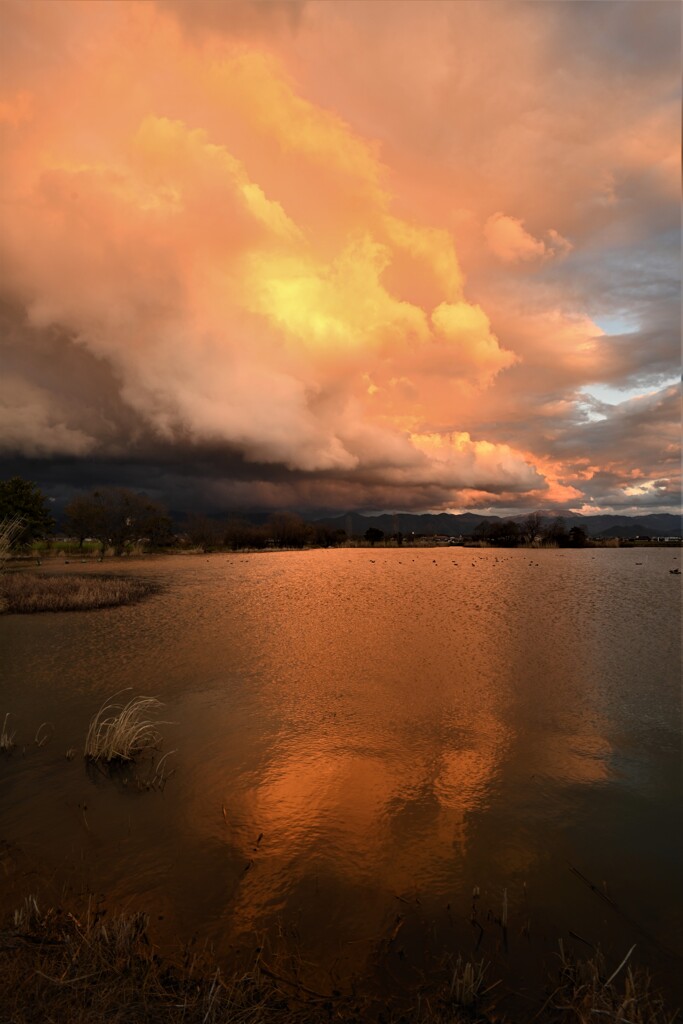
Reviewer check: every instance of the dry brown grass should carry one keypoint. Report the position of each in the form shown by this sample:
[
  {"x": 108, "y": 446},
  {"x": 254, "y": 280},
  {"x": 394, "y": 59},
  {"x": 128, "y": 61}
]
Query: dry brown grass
[
  {"x": 10, "y": 528},
  {"x": 467, "y": 982},
  {"x": 26, "y": 592},
  {"x": 589, "y": 991},
  {"x": 119, "y": 732},
  {"x": 94, "y": 967}
]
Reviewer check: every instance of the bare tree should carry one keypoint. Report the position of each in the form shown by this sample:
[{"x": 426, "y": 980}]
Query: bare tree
[
  {"x": 84, "y": 517},
  {"x": 203, "y": 532},
  {"x": 289, "y": 530},
  {"x": 116, "y": 516},
  {"x": 532, "y": 527},
  {"x": 556, "y": 532}
]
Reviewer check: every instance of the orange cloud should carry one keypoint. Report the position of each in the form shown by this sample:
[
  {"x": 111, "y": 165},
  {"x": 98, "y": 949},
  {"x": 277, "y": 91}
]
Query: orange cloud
[
  {"x": 510, "y": 242},
  {"x": 227, "y": 307},
  {"x": 277, "y": 248}
]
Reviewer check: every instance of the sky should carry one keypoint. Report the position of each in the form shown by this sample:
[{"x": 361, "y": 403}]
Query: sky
[{"x": 340, "y": 255}]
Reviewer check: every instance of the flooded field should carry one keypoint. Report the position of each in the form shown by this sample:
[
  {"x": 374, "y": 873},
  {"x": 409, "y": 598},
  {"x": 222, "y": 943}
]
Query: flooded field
[{"x": 362, "y": 739}]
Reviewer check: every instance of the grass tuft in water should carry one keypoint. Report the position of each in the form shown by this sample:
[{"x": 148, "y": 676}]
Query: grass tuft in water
[{"x": 121, "y": 732}]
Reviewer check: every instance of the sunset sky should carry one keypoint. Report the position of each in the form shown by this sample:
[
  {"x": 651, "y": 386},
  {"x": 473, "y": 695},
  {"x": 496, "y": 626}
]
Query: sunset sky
[{"x": 343, "y": 255}]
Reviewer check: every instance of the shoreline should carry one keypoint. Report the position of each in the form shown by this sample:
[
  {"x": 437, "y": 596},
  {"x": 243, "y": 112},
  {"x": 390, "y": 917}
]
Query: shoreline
[
  {"x": 87, "y": 963},
  {"x": 73, "y": 556}
]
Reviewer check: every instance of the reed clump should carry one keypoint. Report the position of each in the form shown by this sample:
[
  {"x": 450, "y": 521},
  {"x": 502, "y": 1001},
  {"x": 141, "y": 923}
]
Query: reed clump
[
  {"x": 25, "y": 592},
  {"x": 588, "y": 992},
  {"x": 120, "y": 732},
  {"x": 468, "y": 982}
]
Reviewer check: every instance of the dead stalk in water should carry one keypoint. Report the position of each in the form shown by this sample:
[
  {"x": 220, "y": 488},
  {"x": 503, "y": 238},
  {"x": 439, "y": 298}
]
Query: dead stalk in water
[
  {"x": 6, "y": 737},
  {"x": 161, "y": 775},
  {"x": 41, "y": 737}
]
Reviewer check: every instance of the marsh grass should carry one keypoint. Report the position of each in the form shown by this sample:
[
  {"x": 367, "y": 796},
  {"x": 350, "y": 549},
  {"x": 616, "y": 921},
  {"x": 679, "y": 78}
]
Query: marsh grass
[
  {"x": 119, "y": 733},
  {"x": 25, "y": 592},
  {"x": 587, "y": 993},
  {"x": 97, "y": 967},
  {"x": 467, "y": 982}
]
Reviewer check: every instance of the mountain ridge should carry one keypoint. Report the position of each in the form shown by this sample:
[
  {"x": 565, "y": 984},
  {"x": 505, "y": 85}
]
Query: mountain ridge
[{"x": 658, "y": 524}]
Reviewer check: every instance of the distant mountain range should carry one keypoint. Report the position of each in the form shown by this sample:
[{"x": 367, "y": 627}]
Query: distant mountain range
[{"x": 660, "y": 524}]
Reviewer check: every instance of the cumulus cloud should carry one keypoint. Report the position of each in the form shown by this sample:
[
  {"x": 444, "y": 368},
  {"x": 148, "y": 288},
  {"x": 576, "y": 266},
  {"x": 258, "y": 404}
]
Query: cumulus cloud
[
  {"x": 510, "y": 242},
  {"x": 227, "y": 310},
  {"x": 253, "y": 252}
]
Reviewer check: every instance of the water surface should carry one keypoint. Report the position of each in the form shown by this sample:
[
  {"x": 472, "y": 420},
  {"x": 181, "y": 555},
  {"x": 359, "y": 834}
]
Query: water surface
[{"x": 397, "y": 726}]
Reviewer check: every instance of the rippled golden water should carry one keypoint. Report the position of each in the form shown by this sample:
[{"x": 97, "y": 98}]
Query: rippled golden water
[{"x": 398, "y": 726}]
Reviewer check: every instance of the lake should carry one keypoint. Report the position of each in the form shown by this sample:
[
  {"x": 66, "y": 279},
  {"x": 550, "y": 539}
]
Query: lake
[{"x": 363, "y": 738}]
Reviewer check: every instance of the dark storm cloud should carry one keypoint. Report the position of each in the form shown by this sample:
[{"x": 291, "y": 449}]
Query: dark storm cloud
[
  {"x": 632, "y": 37},
  {"x": 56, "y": 396},
  {"x": 644, "y": 429}
]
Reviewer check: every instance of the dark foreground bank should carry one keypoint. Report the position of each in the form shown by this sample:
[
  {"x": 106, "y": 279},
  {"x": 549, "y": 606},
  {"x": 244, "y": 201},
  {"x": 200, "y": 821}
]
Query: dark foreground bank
[{"x": 93, "y": 966}]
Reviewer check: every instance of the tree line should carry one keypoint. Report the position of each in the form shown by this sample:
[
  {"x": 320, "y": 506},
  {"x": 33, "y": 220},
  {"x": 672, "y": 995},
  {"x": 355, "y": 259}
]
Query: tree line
[
  {"x": 534, "y": 528},
  {"x": 118, "y": 518},
  {"x": 281, "y": 530}
]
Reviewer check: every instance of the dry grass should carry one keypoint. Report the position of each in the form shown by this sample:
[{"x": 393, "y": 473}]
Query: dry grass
[
  {"x": 25, "y": 592},
  {"x": 10, "y": 528},
  {"x": 588, "y": 992},
  {"x": 94, "y": 967},
  {"x": 467, "y": 982},
  {"x": 120, "y": 732}
]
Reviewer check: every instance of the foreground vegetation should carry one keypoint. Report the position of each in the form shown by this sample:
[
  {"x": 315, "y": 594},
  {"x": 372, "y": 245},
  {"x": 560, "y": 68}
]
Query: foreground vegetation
[
  {"x": 26, "y": 592},
  {"x": 91, "y": 966}
]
